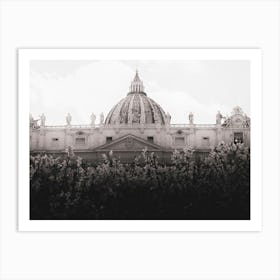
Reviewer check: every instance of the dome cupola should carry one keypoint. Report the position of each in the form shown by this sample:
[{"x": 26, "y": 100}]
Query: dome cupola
[
  {"x": 136, "y": 85},
  {"x": 136, "y": 108}
]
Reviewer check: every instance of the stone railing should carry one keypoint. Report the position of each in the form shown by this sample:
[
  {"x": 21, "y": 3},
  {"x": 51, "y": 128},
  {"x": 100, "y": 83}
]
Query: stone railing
[
  {"x": 179, "y": 125},
  {"x": 135, "y": 125},
  {"x": 205, "y": 125},
  {"x": 192, "y": 125},
  {"x": 72, "y": 126}
]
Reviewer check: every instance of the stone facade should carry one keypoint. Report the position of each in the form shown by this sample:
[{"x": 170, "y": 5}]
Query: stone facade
[{"x": 135, "y": 123}]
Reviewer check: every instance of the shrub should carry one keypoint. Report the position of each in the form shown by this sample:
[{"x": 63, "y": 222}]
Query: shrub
[{"x": 216, "y": 187}]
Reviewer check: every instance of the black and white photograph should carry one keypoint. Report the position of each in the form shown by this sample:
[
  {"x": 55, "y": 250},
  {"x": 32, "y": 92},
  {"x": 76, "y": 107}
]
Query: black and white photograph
[{"x": 140, "y": 139}]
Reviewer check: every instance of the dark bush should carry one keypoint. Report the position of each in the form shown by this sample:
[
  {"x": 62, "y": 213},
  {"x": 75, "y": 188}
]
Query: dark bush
[{"x": 217, "y": 187}]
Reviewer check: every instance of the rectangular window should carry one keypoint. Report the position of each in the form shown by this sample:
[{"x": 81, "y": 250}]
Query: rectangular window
[
  {"x": 109, "y": 139},
  {"x": 80, "y": 141},
  {"x": 205, "y": 141},
  {"x": 179, "y": 141},
  {"x": 238, "y": 137},
  {"x": 150, "y": 139}
]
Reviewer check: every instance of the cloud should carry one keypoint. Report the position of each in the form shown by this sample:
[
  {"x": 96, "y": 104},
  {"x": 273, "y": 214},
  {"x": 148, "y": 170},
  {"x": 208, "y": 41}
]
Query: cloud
[{"x": 83, "y": 87}]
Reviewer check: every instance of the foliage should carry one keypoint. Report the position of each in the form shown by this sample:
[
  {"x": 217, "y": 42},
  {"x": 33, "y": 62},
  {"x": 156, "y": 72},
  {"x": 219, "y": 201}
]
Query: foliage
[{"x": 216, "y": 187}]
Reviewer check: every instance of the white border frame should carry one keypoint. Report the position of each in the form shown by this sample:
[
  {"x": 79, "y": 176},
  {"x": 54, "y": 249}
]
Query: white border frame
[{"x": 253, "y": 55}]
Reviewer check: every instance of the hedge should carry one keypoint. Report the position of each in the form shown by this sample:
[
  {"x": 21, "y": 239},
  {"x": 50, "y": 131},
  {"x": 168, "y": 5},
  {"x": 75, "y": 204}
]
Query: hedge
[{"x": 214, "y": 188}]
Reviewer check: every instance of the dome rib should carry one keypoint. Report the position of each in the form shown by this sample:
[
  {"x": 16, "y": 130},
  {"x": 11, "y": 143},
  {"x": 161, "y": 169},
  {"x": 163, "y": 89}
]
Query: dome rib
[
  {"x": 161, "y": 113},
  {"x": 130, "y": 116},
  {"x": 117, "y": 110},
  {"x": 111, "y": 112},
  {"x": 142, "y": 111},
  {"x": 155, "y": 117}
]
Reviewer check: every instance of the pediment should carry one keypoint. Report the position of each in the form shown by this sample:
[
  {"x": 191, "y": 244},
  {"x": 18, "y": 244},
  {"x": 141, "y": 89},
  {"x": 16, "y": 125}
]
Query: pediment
[{"x": 129, "y": 143}]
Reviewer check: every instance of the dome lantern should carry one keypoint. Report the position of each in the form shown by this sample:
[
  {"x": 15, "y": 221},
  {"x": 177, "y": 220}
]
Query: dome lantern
[{"x": 136, "y": 85}]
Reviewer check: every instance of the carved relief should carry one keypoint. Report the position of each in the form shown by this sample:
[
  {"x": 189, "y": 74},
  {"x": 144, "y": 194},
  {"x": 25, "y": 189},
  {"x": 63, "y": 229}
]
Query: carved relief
[
  {"x": 237, "y": 119},
  {"x": 129, "y": 142}
]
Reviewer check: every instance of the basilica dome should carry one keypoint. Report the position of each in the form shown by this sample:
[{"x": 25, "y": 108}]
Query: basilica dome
[{"x": 136, "y": 108}]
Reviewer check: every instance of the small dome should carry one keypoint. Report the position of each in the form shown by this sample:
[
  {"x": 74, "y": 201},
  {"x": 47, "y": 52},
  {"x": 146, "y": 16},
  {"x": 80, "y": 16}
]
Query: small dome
[{"x": 136, "y": 108}]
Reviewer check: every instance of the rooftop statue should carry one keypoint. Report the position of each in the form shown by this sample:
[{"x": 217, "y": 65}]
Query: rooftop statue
[
  {"x": 68, "y": 119},
  {"x": 33, "y": 123},
  {"x": 191, "y": 118},
  {"x": 43, "y": 120},
  {"x": 102, "y": 118},
  {"x": 219, "y": 117},
  {"x": 247, "y": 121},
  {"x": 92, "y": 118},
  {"x": 227, "y": 122}
]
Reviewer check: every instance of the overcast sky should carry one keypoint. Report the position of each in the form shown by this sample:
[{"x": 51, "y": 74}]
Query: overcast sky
[{"x": 82, "y": 87}]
